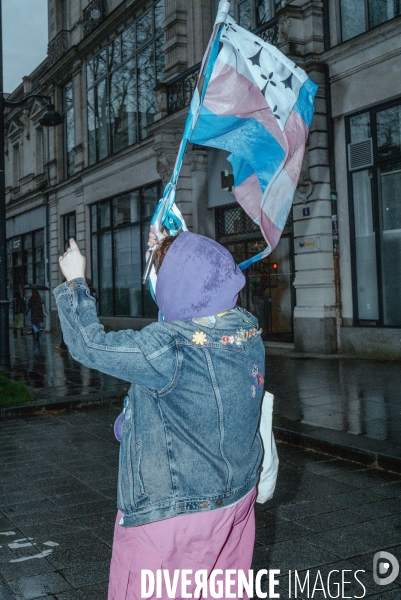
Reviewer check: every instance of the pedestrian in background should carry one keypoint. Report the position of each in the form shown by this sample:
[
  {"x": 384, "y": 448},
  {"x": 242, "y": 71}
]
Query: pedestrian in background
[
  {"x": 190, "y": 447},
  {"x": 35, "y": 306},
  {"x": 19, "y": 307}
]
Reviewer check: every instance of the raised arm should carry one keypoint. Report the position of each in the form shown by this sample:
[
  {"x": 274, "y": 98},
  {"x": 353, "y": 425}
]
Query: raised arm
[{"x": 147, "y": 357}]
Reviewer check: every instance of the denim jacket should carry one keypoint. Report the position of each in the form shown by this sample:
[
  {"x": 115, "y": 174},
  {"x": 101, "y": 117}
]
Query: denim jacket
[{"x": 190, "y": 436}]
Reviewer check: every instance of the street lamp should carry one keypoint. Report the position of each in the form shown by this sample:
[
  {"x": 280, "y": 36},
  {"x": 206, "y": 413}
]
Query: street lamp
[{"x": 50, "y": 118}]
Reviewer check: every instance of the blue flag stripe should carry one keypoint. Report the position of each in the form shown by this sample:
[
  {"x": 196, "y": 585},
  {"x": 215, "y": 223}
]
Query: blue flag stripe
[
  {"x": 250, "y": 142},
  {"x": 304, "y": 104}
]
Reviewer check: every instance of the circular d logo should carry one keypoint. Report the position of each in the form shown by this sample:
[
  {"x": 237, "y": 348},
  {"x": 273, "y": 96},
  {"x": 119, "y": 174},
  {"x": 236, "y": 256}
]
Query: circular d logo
[{"x": 382, "y": 573}]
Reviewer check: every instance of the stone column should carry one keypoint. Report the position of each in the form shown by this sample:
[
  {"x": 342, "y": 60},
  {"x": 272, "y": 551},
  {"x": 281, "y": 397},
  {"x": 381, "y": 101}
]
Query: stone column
[
  {"x": 175, "y": 27},
  {"x": 301, "y": 37},
  {"x": 202, "y": 216}
]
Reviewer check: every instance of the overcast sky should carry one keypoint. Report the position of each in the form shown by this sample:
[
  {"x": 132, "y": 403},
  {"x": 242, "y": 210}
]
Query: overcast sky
[{"x": 24, "y": 39}]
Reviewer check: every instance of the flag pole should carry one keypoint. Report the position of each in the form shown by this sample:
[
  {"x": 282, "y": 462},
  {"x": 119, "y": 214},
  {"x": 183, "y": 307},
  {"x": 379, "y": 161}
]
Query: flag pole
[{"x": 163, "y": 216}]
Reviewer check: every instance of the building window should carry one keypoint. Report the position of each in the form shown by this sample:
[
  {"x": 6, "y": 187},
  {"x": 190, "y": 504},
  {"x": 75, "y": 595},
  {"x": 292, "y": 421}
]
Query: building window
[
  {"x": 40, "y": 151},
  {"x": 254, "y": 14},
  {"x": 374, "y": 164},
  {"x": 25, "y": 261},
  {"x": 120, "y": 228},
  {"x": 358, "y": 16},
  {"x": 69, "y": 130},
  {"x": 69, "y": 228},
  {"x": 120, "y": 84},
  {"x": 16, "y": 165}
]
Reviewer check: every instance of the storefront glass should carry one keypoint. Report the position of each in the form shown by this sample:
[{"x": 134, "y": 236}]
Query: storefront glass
[
  {"x": 376, "y": 217},
  {"x": 120, "y": 229},
  {"x": 268, "y": 293},
  {"x": 25, "y": 261}
]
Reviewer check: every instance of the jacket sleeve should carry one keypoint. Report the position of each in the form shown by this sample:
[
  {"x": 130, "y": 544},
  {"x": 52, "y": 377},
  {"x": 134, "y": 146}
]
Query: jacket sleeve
[{"x": 147, "y": 357}]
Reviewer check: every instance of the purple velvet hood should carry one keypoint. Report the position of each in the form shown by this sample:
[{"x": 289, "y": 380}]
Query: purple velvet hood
[{"x": 198, "y": 278}]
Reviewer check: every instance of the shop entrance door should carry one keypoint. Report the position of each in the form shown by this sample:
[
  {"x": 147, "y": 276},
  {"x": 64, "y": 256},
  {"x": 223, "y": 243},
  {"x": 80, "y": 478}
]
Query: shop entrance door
[{"x": 269, "y": 292}]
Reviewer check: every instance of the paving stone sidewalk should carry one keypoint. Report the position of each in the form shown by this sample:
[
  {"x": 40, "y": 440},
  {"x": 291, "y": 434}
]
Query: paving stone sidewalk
[{"x": 57, "y": 508}]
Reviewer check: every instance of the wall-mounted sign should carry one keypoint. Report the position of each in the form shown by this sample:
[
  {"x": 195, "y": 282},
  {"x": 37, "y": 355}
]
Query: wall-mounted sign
[
  {"x": 17, "y": 244},
  {"x": 310, "y": 244}
]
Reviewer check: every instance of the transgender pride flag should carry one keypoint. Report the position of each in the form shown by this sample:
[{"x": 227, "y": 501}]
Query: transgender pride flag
[{"x": 258, "y": 105}]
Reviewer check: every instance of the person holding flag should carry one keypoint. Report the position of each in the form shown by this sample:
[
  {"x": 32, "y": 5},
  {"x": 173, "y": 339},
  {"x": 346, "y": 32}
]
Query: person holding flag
[{"x": 191, "y": 452}]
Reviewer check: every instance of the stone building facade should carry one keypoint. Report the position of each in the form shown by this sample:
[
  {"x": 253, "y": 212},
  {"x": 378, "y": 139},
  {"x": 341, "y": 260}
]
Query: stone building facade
[{"x": 123, "y": 73}]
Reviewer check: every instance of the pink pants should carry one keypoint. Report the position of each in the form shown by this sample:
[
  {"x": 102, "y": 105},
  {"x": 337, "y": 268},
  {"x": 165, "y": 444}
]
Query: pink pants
[{"x": 220, "y": 539}]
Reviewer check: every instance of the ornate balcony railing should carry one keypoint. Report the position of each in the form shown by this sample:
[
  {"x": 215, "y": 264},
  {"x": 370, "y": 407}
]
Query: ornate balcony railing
[
  {"x": 57, "y": 47},
  {"x": 93, "y": 14},
  {"x": 269, "y": 32},
  {"x": 180, "y": 89}
]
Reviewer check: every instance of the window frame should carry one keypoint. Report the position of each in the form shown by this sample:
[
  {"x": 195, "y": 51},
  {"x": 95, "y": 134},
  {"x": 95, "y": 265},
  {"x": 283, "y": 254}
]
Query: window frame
[
  {"x": 68, "y": 172},
  {"x": 367, "y": 19},
  {"x": 378, "y": 162},
  {"x": 142, "y": 222},
  {"x": 157, "y": 35}
]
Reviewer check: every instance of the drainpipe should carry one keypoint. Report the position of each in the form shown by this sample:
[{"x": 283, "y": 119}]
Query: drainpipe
[
  {"x": 333, "y": 186},
  {"x": 47, "y": 257}
]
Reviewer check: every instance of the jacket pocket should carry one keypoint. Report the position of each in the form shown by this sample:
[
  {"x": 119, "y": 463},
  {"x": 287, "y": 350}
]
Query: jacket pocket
[{"x": 126, "y": 502}]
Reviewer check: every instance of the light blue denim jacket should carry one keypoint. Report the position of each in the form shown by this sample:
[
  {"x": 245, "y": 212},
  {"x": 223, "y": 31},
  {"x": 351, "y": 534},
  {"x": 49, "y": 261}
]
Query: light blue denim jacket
[{"x": 190, "y": 436}]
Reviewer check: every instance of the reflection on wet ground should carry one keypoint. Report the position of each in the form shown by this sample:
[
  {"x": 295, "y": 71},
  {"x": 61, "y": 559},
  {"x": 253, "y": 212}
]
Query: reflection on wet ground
[
  {"x": 350, "y": 395},
  {"x": 354, "y": 396},
  {"x": 53, "y": 374}
]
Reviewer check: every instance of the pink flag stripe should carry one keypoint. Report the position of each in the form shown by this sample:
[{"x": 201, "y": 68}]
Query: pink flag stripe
[
  {"x": 233, "y": 94},
  {"x": 248, "y": 194},
  {"x": 270, "y": 231}
]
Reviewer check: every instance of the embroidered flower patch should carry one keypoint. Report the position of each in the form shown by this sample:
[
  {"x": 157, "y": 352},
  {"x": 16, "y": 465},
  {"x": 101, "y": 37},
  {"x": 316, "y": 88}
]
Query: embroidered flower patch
[
  {"x": 199, "y": 338},
  {"x": 240, "y": 336},
  {"x": 258, "y": 380}
]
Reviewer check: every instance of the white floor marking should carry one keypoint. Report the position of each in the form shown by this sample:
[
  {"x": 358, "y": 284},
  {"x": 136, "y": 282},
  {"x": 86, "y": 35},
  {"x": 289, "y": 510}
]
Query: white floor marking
[
  {"x": 7, "y": 533},
  {"x": 22, "y": 543},
  {"x": 50, "y": 544},
  {"x": 24, "y": 558}
]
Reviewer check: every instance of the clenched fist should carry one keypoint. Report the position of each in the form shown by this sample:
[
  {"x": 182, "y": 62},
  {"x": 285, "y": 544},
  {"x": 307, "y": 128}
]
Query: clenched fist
[{"x": 72, "y": 263}]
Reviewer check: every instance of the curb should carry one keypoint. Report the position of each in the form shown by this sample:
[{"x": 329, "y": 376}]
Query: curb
[
  {"x": 41, "y": 408},
  {"x": 369, "y": 458}
]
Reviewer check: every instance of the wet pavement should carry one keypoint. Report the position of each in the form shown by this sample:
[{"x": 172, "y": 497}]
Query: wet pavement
[
  {"x": 53, "y": 375},
  {"x": 58, "y": 477},
  {"x": 349, "y": 405}
]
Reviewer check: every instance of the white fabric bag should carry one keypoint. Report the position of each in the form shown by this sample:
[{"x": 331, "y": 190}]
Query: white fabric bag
[{"x": 268, "y": 476}]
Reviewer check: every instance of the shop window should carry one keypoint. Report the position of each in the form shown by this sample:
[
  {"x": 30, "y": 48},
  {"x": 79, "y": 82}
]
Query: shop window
[
  {"x": 25, "y": 260},
  {"x": 120, "y": 83},
  {"x": 269, "y": 291},
  {"x": 375, "y": 212},
  {"x": 358, "y": 16},
  {"x": 120, "y": 229}
]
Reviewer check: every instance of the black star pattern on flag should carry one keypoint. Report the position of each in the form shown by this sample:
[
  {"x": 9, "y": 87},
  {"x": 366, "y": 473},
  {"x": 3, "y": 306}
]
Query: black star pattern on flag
[
  {"x": 288, "y": 82},
  {"x": 274, "y": 112},
  {"x": 255, "y": 60},
  {"x": 270, "y": 80}
]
